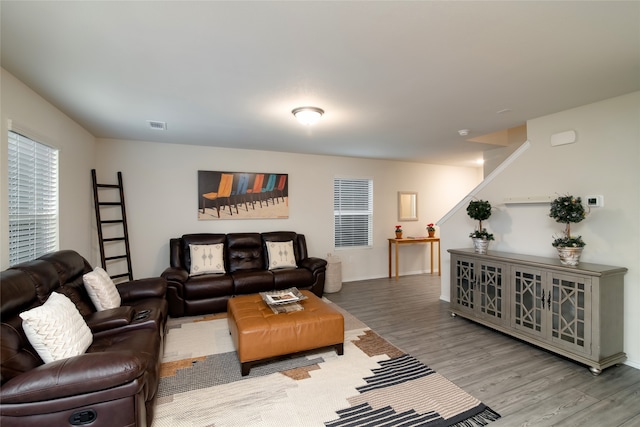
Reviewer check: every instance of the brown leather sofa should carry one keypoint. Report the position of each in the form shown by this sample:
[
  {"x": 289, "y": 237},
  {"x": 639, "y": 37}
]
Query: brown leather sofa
[
  {"x": 113, "y": 383},
  {"x": 246, "y": 271}
]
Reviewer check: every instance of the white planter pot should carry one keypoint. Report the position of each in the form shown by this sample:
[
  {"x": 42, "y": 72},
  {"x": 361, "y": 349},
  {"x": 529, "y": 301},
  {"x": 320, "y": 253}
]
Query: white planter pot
[
  {"x": 480, "y": 246},
  {"x": 569, "y": 255}
]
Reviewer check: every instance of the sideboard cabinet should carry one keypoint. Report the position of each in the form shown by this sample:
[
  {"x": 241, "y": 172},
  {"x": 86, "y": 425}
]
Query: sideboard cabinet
[{"x": 573, "y": 311}]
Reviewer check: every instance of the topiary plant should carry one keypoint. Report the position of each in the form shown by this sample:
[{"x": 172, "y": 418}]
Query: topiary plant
[
  {"x": 565, "y": 210},
  {"x": 481, "y": 234},
  {"x": 479, "y": 210}
]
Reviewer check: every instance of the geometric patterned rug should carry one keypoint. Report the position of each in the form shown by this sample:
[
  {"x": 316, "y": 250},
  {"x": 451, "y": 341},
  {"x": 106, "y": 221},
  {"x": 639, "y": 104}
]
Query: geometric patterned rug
[{"x": 372, "y": 384}]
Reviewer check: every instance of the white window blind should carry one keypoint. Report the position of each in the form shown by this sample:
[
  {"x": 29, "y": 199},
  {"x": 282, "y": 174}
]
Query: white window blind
[
  {"x": 33, "y": 198},
  {"x": 353, "y": 212}
]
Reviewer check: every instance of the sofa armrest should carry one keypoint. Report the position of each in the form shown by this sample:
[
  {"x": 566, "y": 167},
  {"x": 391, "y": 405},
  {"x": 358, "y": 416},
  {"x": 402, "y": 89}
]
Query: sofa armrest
[
  {"x": 108, "y": 319},
  {"x": 313, "y": 264},
  {"x": 175, "y": 274},
  {"x": 87, "y": 373},
  {"x": 318, "y": 268},
  {"x": 176, "y": 278},
  {"x": 153, "y": 287}
]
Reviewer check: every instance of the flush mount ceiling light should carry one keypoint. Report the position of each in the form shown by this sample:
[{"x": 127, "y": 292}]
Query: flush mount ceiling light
[{"x": 307, "y": 115}]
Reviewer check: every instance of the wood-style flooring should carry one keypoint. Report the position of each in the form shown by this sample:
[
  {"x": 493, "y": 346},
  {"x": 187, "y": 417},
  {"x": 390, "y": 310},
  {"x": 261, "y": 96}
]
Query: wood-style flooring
[{"x": 526, "y": 385}]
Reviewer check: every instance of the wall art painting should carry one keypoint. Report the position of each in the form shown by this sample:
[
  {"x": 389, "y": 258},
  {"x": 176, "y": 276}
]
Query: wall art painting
[{"x": 242, "y": 195}]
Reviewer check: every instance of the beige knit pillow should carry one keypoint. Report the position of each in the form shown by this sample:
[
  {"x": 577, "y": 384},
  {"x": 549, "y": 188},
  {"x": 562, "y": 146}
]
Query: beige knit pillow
[
  {"x": 281, "y": 255},
  {"x": 56, "y": 330},
  {"x": 206, "y": 259},
  {"x": 101, "y": 289}
]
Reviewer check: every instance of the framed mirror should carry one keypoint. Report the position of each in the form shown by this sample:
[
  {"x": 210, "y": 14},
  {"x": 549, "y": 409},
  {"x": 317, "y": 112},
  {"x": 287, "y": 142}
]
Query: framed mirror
[{"x": 407, "y": 206}]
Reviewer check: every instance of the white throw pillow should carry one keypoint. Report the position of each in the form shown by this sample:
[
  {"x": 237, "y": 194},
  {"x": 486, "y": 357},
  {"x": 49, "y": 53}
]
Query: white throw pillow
[
  {"x": 56, "y": 330},
  {"x": 281, "y": 255},
  {"x": 101, "y": 289},
  {"x": 206, "y": 259}
]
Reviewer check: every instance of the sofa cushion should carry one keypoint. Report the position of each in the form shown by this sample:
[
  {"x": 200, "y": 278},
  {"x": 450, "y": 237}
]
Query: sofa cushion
[
  {"x": 68, "y": 267},
  {"x": 245, "y": 252},
  {"x": 17, "y": 294},
  {"x": 101, "y": 289},
  {"x": 203, "y": 287},
  {"x": 291, "y": 277},
  {"x": 43, "y": 275},
  {"x": 252, "y": 282},
  {"x": 69, "y": 264},
  {"x": 206, "y": 259},
  {"x": 280, "y": 255},
  {"x": 56, "y": 330}
]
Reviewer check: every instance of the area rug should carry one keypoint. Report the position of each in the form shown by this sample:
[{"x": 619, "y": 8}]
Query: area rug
[{"x": 372, "y": 384}]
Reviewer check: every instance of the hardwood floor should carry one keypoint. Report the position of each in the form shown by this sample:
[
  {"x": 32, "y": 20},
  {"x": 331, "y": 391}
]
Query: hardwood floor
[{"x": 528, "y": 386}]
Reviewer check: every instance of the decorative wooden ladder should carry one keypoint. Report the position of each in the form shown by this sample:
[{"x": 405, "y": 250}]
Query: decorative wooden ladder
[{"x": 121, "y": 220}]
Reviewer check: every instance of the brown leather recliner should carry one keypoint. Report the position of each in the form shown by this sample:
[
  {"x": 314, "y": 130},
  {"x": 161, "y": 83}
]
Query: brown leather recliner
[
  {"x": 246, "y": 271},
  {"x": 113, "y": 383}
]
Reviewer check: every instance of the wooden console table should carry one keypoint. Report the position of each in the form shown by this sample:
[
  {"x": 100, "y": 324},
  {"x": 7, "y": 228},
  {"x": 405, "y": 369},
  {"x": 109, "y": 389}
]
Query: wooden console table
[{"x": 398, "y": 242}]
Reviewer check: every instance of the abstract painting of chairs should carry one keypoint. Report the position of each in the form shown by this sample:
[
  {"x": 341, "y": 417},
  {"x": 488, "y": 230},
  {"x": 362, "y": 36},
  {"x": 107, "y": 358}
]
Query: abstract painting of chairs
[
  {"x": 239, "y": 194},
  {"x": 267, "y": 191},
  {"x": 238, "y": 190},
  {"x": 224, "y": 192},
  {"x": 279, "y": 191},
  {"x": 256, "y": 190}
]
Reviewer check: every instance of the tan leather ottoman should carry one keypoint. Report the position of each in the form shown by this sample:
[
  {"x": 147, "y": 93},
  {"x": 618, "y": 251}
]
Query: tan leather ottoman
[{"x": 258, "y": 333}]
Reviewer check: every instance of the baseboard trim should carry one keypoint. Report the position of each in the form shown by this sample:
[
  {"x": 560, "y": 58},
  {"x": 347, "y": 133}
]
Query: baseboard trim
[{"x": 632, "y": 363}]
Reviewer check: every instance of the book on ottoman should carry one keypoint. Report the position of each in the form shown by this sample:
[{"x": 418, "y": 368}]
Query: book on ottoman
[{"x": 284, "y": 300}]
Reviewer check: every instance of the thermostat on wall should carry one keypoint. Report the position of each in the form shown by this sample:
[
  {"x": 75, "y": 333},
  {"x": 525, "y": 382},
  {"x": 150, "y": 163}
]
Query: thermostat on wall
[{"x": 595, "y": 201}]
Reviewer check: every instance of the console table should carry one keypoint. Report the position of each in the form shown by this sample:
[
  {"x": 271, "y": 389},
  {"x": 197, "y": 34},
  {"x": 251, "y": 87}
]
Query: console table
[
  {"x": 398, "y": 242},
  {"x": 573, "y": 311}
]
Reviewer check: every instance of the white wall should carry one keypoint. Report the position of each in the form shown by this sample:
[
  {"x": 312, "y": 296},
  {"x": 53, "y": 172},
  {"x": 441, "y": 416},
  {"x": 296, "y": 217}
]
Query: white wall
[
  {"x": 603, "y": 161},
  {"x": 160, "y": 183},
  {"x": 28, "y": 113}
]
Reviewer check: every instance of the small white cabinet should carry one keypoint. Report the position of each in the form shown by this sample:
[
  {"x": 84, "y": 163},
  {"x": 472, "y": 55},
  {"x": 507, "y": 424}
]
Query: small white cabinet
[{"x": 574, "y": 311}]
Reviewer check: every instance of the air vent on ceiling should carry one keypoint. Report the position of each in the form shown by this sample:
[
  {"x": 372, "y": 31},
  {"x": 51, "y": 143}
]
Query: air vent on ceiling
[{"x": 154, "y": 124}]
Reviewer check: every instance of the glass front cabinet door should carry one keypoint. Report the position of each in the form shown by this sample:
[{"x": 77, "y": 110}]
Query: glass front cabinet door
[
  {"x": 464, "y": 279},
  {"x": 570, "y": 310},
  {"x": 491, "y": 292},
  {"x": 479, "y": 288},
  {"x": 528, "y": 303}
]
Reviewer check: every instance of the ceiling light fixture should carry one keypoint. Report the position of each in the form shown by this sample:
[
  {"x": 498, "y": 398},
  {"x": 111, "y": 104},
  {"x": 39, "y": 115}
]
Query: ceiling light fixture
[
  {"x": 307, "y": 115},
  {"x": 463, "y": 132}
]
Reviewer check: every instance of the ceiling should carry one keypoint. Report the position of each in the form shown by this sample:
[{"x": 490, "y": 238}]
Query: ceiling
[{"x": 396, "y": 79}]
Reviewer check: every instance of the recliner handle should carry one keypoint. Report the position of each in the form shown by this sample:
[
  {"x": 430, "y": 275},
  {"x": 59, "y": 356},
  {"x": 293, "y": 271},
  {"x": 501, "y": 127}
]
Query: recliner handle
[{"x": 82, "y": 418}]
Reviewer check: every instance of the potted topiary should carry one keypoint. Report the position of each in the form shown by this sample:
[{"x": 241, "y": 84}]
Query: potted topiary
[
  {"x": 480, "y": 210},
  {"x": 565, "y": 210}
]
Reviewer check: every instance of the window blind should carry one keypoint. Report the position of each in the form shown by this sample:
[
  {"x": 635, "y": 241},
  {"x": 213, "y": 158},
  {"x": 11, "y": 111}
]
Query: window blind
[
  {"x": 353, "y": 212},
  {"x": 33, "y": 198}
]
